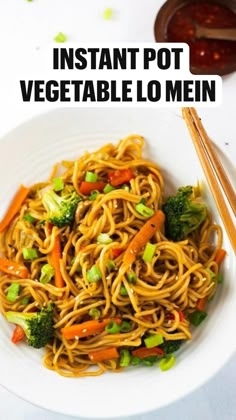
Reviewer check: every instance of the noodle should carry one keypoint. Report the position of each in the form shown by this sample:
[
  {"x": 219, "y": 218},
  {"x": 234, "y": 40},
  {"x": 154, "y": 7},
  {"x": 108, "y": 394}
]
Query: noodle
[{"x": 173, "y": 282}]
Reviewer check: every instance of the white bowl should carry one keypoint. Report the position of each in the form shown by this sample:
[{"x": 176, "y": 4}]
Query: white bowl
[{"x": 27, "y": 155}]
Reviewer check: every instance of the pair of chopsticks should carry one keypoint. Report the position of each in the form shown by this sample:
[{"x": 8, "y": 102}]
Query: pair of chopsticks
[{"x": 214, "y": 172}]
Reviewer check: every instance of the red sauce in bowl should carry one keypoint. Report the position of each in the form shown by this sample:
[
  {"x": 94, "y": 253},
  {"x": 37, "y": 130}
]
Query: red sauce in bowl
[{"x": 212, "y": 56}]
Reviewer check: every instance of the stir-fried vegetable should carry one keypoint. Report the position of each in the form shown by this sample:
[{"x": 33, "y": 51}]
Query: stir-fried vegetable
[
  {"x": 143, "y": 236},
  {"x": 54, "y": 259},
  {"x": 87, "y": 328},
  {"x": 184, "y": 214},
  {"x": 14, "y": 207},
  {"x": 37, "y": 326},
  {"x": 13, "y": 268}
]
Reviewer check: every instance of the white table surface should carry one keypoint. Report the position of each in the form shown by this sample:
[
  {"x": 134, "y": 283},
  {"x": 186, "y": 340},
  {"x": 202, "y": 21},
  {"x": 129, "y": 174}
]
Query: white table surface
[{"x": 26, "y": 26}]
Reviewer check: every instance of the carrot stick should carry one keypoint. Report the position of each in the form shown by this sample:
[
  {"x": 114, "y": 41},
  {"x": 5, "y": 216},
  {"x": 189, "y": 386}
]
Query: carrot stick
[
  {"x": 14, "y": 207},
  {"x": 143, "y": 236},
  {"x": 220, "y": 255},
  {"x": 201, "y": 303},
  {"x": 143, "y": 352},
  {"x": 54, "y": 258},
  {"x": 87, "y": 187},
  {"x": 18, "y": 334},
  {"x": 14, "y": 268},
  {"x": 104, "y": 354},
  {"x": 87, "y": 328}
]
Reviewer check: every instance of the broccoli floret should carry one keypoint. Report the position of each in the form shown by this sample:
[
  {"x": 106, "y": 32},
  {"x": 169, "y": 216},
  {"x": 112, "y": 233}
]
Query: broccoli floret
[
  {"x": 38, "y": 326},
  {"x": 170, "y": 346},
  {"x": 61, "y": 209},
  {"x": 183, "y": 214}
]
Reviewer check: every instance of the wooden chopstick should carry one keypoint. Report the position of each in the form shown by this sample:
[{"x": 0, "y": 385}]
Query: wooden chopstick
[
  {"x": 199, "y": 136},
  {"x": 217, "y": 165}
]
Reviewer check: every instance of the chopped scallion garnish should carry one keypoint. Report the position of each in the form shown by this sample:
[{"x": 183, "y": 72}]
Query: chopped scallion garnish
[
  {"x": 29, "y": 218},
  {"x": 110, "y": 265},
  {"x": 94, "y": 274},
  {"x": 144, "y": 210},
  {"x": 125, "y": 327},
  {"x": 167, "y": 362},
  {"x": 58, "y": 184},
  {"x": 47, "y": 273},
  {"x": 13, "y": 292},
  {"x": 94, "y": 195},
  {"x": 95, "y": 313},
  {"x": 150, "y": 360},
  {"x": 24, "y": 300},
  {"x": 131, "y": 277},
  {"x": 112, "y": 327},
  {"x": 153, "y": 340},
  {"x": 125, "y": 358},
  {"x": 211, "y": 273},
  {"x": 135, "y": 360},
  {"x": 90, "y": 177},
  {"x": 123, "y": 291},
  {"x": 108, "y": 188},
  {"x": 125, "y": 187},
  {"x": 30, "y": 253},
  {"x": 149, "y": 252},
  {"x": 104, "y": 239}
]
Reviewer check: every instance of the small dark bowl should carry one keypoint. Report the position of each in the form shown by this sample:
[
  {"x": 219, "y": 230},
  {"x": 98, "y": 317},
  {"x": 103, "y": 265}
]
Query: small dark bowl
[{"x": 168, "y": 10}]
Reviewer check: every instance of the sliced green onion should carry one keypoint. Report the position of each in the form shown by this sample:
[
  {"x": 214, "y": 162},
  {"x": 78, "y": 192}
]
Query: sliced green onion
[
  {"x": 24, "y": 300},
  {"x": 47, "y": 273},
  {"x": 149, "y": 252},
  {"x": 104, "y": 239},
  {"x": 107, "y": 14},
  {"x": 197, "y": 317},
  {"x": 123, "y": 291},
  {"x": 30, "y": 253},
  {"x": 60, "y": 37},
  {"x": 95, "y": 313},
  {"x": 58, "y": 184},
  {"x": 110, "y": 265},
  {"x": 91, "y": 177},
  {"x": 94, "y": 195},
  {"x": 108, "y": 188},
  {"x": 94, "y": 274},
  {"x": 125, "y": 187},
  {"x": 167, "y": 362},
  {"x": 211, "y": 273},
  {"x": 112, "y": 327},
  {"x": 220, "y": 278},
  {"x": 131, "y": 277},
  {"x": 125, "y": 327},
  {"x": 142, "y": 201},
  {"x": 125, "y": 358},
  {"x": 135, "y": 360},
  {"x": 153, "y": 340},
  {"x": 150, "y": 360},
  {"x": 144, "y": 210},
  {"x": 13, "y": 292},
  {"x": 28, "y": 218}
]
